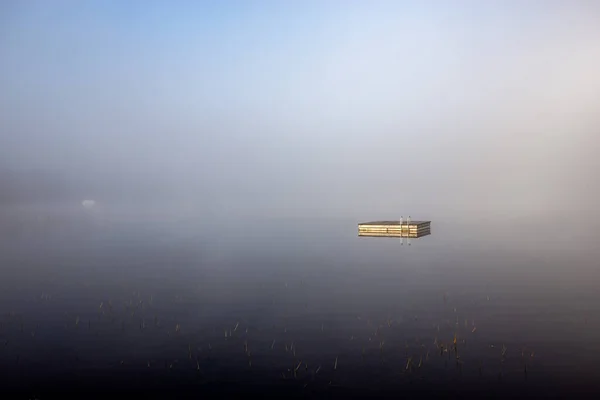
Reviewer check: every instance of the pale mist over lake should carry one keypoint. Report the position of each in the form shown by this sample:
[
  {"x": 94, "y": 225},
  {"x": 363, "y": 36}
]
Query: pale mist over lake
[{"x": 181, "y": 184}]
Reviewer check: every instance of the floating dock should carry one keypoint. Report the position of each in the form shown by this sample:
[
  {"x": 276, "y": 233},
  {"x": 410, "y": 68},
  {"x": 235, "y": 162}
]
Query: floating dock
[{"x": 412, "y": 229}]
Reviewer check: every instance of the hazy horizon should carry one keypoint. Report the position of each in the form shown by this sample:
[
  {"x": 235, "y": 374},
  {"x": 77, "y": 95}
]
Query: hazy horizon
[{"x": 324, "y": 107}]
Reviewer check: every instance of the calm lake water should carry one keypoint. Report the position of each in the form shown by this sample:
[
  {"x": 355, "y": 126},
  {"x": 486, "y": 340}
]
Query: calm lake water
[{"x": 298, "y": 304}]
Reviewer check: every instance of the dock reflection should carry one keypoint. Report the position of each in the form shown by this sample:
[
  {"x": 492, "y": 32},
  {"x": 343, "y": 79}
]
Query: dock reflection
[{"x": 396, "y": 234}]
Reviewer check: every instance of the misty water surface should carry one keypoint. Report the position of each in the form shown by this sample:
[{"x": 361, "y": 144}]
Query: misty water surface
[{"x": 299, "y": 301}]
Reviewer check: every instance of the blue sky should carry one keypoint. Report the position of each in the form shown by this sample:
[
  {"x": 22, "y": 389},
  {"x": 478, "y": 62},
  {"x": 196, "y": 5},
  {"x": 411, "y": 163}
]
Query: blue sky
[{"x": 308, "y": 98}]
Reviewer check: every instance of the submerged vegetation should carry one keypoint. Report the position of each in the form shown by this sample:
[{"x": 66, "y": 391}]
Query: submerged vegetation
[{"x": 149, "y": 332}]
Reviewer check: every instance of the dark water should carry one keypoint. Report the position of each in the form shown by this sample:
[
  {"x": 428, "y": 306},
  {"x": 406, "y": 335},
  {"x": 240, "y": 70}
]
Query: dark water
[{"x": 301, "y": 305}]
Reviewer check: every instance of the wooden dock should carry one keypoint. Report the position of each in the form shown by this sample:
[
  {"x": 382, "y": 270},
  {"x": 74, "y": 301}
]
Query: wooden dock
[{"x": 412, "y": 229}]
